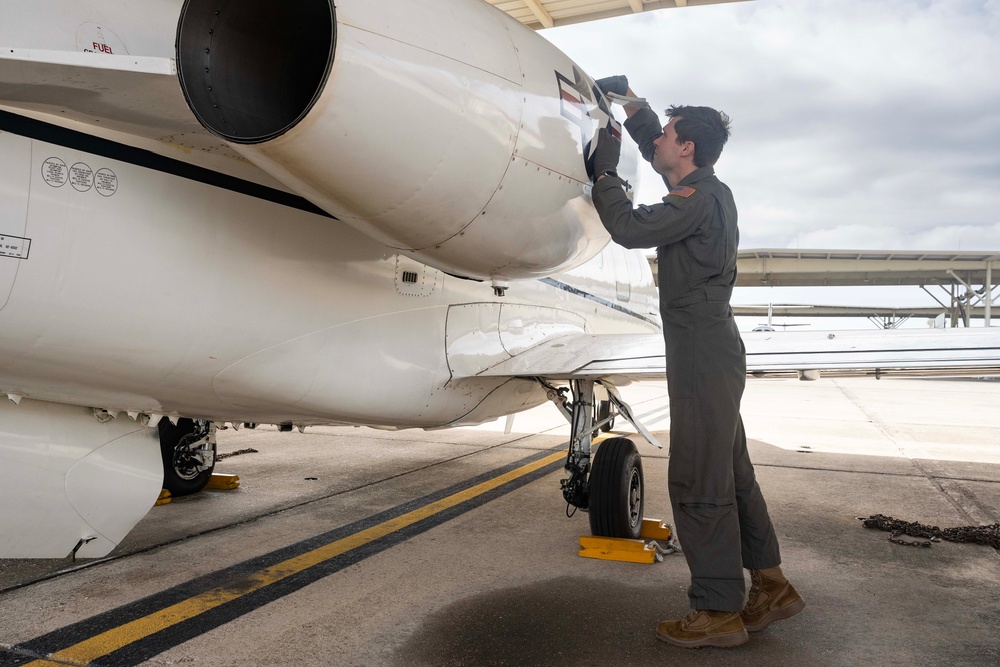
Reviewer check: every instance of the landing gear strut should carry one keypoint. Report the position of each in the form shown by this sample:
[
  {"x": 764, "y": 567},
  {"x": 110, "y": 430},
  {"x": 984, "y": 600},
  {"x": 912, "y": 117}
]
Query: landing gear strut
[
  {"x": 613, "y": 489},
  {"x": 188, "y": 451}
]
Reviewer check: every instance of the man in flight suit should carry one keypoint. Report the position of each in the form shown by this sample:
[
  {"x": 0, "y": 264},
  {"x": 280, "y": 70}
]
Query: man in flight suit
[{"x": 719, "y": 512}]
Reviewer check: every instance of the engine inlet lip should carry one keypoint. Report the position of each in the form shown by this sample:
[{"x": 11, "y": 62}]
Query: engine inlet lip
[{"x": 278, "y": 77}]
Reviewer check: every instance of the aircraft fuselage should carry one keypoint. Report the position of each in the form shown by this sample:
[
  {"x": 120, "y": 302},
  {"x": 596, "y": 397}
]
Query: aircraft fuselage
[{"x": 136, "y": 287}]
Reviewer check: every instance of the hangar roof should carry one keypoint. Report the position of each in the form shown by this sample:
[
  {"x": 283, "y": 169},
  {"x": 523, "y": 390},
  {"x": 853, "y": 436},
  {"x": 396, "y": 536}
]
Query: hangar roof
[{"x": 540, "y": 14}]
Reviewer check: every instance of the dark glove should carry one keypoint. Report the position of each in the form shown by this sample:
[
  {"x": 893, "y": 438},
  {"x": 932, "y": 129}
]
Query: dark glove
[
  {"x": 607, "y": 152},
  {"x": 613, "y": 84}
]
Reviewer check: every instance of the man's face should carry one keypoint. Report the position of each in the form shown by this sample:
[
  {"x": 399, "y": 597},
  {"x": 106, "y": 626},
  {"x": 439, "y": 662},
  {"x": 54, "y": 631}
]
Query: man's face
[{"x": 669, "y": 153}]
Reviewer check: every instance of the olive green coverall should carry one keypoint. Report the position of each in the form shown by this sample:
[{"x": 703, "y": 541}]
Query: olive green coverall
[{"x": 719, "y": 513}]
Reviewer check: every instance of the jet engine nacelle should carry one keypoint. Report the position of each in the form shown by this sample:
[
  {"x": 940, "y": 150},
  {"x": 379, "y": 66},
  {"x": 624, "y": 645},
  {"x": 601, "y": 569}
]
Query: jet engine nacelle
[{"x": 442, "y": 128}]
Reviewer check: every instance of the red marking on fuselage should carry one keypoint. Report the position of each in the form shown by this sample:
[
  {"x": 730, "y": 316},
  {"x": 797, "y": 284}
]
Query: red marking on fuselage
[{"x": 569, "y": 98}]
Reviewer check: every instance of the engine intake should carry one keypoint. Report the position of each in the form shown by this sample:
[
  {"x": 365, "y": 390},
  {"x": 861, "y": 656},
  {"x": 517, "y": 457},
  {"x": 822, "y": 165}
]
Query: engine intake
[{"x": 251, "y": 70}]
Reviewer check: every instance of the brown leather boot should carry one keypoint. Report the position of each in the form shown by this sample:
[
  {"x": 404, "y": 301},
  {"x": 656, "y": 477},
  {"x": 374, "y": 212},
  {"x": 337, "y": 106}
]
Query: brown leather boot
[
  {"x": 771, "y": 599},
  {"x": 704, "y": 628}
]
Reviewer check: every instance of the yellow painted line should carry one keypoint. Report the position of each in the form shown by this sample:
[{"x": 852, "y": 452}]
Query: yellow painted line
[{"x": 116, "y": 638}]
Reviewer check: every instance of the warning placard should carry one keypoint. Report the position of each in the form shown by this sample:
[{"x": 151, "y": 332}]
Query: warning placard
[
  {"x": 14, "y": 246},
  {"x": 81, "y": 177},
  {"x": 54, "y": 172},
  {"x": 106, "y": 182}
]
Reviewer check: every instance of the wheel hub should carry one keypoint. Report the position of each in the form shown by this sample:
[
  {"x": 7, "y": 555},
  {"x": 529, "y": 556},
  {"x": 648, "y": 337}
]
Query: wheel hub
[{"x": 634, "y": 497}]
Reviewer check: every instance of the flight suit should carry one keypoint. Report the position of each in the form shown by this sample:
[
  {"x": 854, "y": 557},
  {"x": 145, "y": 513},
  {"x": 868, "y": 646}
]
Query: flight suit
[{"x": 719, "y": 513}]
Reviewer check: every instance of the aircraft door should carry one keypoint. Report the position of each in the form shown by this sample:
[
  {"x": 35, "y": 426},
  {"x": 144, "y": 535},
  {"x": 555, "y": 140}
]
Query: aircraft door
[{"x": 15, "y": 166}]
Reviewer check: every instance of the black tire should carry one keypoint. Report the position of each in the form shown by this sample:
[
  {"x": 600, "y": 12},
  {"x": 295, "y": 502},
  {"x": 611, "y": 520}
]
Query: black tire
[
  {"x": 182, "y": 475},
  {"x": 603, "y": 412},
  {"x": 617, "y": 490}
]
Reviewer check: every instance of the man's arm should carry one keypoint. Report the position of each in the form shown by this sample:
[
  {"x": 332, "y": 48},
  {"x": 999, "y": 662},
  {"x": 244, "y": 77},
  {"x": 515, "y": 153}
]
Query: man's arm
[
  {"x": 648, "y": 226},
  {"x": 642, "y": 123},
  {"x": 633, "y": 107},
  {"x": 644, "y": 127}
]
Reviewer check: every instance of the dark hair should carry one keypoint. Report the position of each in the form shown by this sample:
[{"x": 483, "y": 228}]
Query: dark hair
[{"x": 706, "y": 127}]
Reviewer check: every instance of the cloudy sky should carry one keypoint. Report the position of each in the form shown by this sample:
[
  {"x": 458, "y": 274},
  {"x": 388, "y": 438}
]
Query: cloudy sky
[{"x": 867, "y": 124}]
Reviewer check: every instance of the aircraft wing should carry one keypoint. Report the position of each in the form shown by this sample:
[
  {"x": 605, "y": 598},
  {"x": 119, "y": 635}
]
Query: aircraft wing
[
  {"x": 138, "y": 95},
  {"x": 631, "y": 357}
]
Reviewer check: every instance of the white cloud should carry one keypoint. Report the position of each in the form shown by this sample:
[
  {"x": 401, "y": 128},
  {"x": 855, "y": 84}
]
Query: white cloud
[{"x": 856, "y": 123}]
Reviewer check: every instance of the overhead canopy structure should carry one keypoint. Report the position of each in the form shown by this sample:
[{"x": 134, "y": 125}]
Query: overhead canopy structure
[
  {"x": 966, "y": 279},
  {"x": 784, "y": 268},
  {"x": 540, "y": 14}
]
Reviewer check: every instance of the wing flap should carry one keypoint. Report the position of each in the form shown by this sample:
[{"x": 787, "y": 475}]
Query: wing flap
[
  {"x": 641, "y": 356},
  {"x": 581, "y": 356}
]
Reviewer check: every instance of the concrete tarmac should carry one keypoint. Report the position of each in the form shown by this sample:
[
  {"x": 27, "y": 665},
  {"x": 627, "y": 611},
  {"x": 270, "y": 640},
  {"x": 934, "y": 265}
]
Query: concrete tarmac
[{"x": 351, "y": 546}]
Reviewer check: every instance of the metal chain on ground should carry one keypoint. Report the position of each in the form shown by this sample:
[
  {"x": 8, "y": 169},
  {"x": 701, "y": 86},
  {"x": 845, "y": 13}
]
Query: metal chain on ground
[
  {"x": 987, "y": 535},
  {"x": 249, "y": 450}
]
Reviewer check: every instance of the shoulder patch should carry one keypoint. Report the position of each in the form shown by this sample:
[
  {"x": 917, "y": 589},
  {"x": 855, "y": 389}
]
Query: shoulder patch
[{"x": 682, "y": 191}]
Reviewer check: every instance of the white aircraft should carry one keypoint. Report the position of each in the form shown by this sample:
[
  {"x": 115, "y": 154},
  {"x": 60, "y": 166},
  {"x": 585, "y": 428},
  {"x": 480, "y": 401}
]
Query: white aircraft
[{"x": 288, "y": 212}]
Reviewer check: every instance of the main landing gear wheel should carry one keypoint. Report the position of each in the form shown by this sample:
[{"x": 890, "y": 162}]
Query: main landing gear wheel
[
  {"x": 188, "y": 455},
  {"x": 616, "y": 490}
]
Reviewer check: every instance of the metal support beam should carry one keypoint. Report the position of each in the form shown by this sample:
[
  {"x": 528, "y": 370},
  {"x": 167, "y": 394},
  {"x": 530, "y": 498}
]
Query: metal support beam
[
  {"x": 924, "y": 288},
  {"x": 540, "y": 13},
  {"x": 989, "y": 293},
  {"x": 954, "y": 307},
  {"x": 888, "y": 321},
  {"x": 956, "y": 277},
  {"x": 964, "y": 303}
]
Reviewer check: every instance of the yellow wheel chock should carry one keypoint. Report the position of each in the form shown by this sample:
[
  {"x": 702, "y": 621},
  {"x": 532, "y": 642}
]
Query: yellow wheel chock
[
  {"x": 216, "y": 481},
  {"x": 644, "y": 550},
  {"x": 222, "y": 482}
]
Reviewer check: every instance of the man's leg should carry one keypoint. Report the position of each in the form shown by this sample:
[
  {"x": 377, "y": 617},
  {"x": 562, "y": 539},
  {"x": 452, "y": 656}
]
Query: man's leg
[
  {"x": 702, "y": 496},
  {"x": 705, "y": 382},
  {"x": 707, "y": 521},
  {"x": 759, "y": 545},
  {"x": 772, "y": 597}
]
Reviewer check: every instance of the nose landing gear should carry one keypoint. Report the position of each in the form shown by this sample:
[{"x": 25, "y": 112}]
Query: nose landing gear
[{"x": 611, "y": 488}]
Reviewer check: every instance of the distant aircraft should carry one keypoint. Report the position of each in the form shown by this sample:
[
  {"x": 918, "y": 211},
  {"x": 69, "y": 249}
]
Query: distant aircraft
[
  {"x": 293, "y": 213},
  {"x": 770, "y": 324}
]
